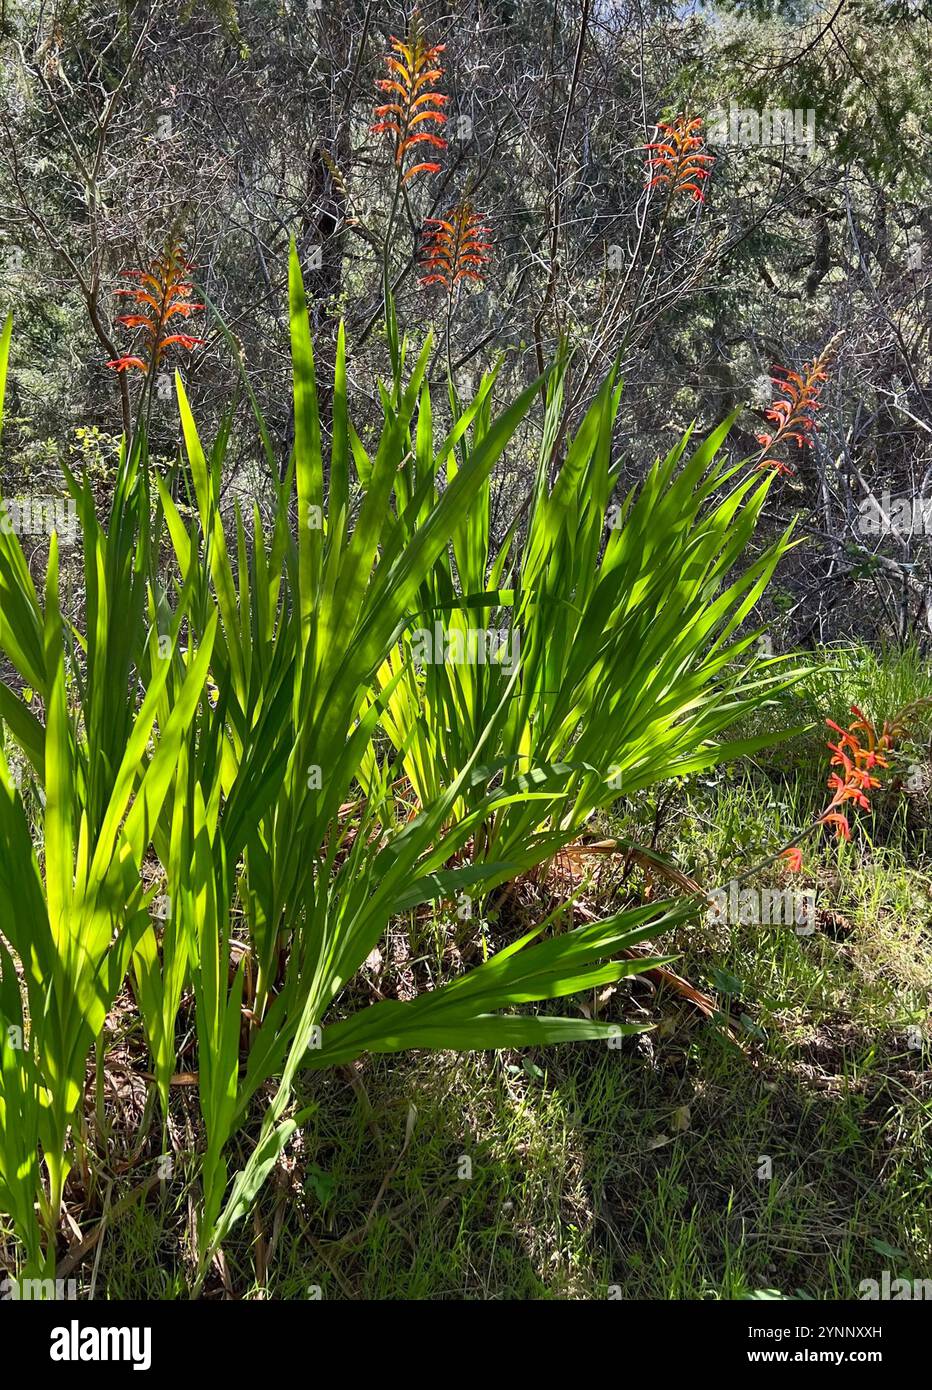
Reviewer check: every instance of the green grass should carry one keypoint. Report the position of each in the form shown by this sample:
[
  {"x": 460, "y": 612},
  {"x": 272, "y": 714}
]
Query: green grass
[{"x": 591, "y": 1169}]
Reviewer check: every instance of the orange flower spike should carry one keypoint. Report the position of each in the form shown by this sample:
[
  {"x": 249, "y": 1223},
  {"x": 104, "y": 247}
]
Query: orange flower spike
[
  {"x": 455, "y": 248},
  {"x": 857, "y": 780},
  {"x": 160, "y": 294},
  {"x": 793, "y": 857},
  {"x": 680, "y": 158},
  {"x": 414, "y": 72},
  {"x": 795, "y": 411}
]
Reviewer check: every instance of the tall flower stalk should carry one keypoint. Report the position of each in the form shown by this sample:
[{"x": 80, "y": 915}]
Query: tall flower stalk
[
  {"x": 415, "y": 105},
  {"x": 679, "y": 163}
]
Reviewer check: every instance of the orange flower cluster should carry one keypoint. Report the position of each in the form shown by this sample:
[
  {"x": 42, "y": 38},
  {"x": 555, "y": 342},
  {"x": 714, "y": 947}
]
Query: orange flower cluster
[
  {"x": 857, "y": 764},
  {"x": 680, "y": 160},
  {"x": 794, "y": 412},
  {"x": 160, "y": 295},
  {"x": 454, "y": 249},
  {"x": 414, "y": 72},
  {"x": 854, "y": 780}
]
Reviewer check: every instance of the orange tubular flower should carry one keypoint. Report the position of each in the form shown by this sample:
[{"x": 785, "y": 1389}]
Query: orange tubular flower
[
  {"x": 794, "y": 412},
  {"x": 454, "y": 249},
  {"x": 793, "y": 857},
  {"x": 160, "y": 295},
  {"x": 413, "y": 72},
  {"x": 679, "y": 160},
  {"x": 840, "y": 822}
]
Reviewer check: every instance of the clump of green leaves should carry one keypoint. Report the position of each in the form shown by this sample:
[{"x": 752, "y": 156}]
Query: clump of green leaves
[{"x": 253, "y": 720}]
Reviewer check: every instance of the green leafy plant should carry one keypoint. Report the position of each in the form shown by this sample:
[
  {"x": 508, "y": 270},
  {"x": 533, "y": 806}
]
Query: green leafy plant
[
  {"x": 255, "y": 726},
  {"x": 626, "y": 619},
  {"x": 74, "y": 912}
]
